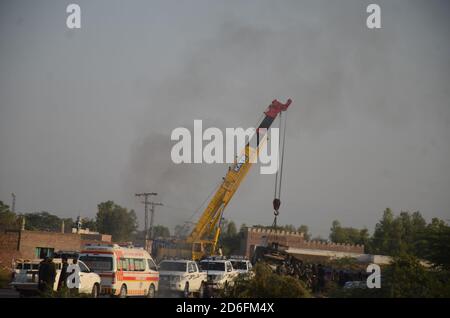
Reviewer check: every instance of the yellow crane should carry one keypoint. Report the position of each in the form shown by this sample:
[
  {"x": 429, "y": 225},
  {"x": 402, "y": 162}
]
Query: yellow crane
[{"x": 204, "y": 236}]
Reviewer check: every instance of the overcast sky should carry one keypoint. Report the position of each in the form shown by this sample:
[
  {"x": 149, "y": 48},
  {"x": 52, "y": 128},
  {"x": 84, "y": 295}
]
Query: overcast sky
[{"x": 86, "y": 115}]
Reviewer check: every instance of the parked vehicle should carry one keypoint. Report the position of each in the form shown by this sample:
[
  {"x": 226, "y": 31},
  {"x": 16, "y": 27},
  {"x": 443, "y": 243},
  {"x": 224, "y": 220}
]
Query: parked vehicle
[
  {"x": 182, "y": 276},
  {"x": 220, "y": 272},
  {"x": 242, "y": 266},
  {"x": 25, "y": 277},
  {"x": 124, "y": 270},
  {"x": 355, "y": 284}
]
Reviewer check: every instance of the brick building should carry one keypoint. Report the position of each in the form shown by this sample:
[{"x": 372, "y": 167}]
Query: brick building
[
  {"x": 34, "y": 244},
  {"x": 295, "y": 240}
]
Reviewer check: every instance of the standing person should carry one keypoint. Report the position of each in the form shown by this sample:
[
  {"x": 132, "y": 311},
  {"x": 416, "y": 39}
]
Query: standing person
[
  {"x": 51, "y": 274},
  {"x": 74, "y": 290},
  {"x": 42, "y": 274},
  {"x": 47, "y": 275},
  {"x": 63, "y": 275},
  {"x": 314, "y": 280},
  {"x": 320, "y": 278},
  {"x": 341, "y": 279}
]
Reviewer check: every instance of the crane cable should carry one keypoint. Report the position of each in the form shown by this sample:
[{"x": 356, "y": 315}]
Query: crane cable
[{"x": 279, "y": 174}]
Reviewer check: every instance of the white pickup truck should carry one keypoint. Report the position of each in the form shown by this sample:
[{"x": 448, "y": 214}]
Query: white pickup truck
[
  {"x": 243, "y": 266},
  {"x": 220, "y": 272},
  {"x": 182, "y": 276}
]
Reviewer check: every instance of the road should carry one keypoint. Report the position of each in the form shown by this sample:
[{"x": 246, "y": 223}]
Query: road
[
  {"x": 8, "y": 293},
  {"x": 11, "y": 293}
]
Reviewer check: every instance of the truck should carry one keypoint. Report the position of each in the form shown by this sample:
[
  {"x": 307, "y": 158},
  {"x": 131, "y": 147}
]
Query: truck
[
  {"x": 220, "y": 272},
  {"x": 182, "y": 276}
]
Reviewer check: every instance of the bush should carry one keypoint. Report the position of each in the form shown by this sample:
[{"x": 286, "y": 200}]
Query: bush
[
  {"x": 266, "y": 284},
  {"x": 5, "y": 277},
  {"x": 404, "y": 278}
]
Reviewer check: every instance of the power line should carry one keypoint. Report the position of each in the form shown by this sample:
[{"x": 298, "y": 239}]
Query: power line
[
  {"x": 152, "y": 204},
  {"x": 13, "y": 205}
]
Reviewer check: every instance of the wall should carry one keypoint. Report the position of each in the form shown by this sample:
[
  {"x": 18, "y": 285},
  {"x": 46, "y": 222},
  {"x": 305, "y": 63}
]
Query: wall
[
  {"x": 96, "y": 237},
  {"x": 59, "y": 241},
  {"x": 9, "y": 248},
  {"x": 22, "y": 244},
  {"x": 257, "y": 236}
]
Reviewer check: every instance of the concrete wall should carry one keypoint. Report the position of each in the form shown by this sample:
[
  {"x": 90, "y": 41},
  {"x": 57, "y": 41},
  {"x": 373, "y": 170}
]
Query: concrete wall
[
  {"x": 257, "y": 236},
  {"x": 59, "y": 241},
  {"x": 96, "y": 237},
  {"x": 22, "y": 244},
  {"x": 9, "y": 248}
]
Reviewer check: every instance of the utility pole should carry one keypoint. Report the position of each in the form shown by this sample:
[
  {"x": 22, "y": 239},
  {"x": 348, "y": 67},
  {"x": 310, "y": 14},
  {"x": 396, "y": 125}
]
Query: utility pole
[
  {"x": 152, "y": 216},
  {"x": 13, "y": 205},
  {"x": 146, "y": 203}
]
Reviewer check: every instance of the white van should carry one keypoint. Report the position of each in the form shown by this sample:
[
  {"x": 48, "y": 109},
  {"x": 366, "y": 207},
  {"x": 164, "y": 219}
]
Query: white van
[{"x": 124, "y": 271}]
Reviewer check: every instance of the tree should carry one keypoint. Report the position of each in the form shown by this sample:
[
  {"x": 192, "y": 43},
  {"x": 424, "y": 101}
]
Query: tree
[
  {"x": 116, "y": 220},
  {"x": 433, "y": 244},
  {"x": 383, "y": 229},
  {"x": 231, "y": 229},
  {"x": 45, "y": 221},
  {"x": 305, "y": 230},
  {"x": 230, "y": 239},
  {"x": 350, "y": 235},
  {"x": 161, "y": 231},
  {"x": 336, "y": 234},
  {"x": 181, "y": 230},
  {"x": 89, "y": 223},
  {"x": 407, "y": 277},
  {"x": 397, "y": 235},
  {"x": 8, "y": 219}
]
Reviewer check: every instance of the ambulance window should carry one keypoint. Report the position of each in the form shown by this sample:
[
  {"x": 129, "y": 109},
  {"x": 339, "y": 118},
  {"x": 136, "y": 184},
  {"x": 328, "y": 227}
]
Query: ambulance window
[
  {"x": 191, "y": 268},
  {"x": 131, "y": 264},
  {"x": 98, "y": 263},
  {"x": 152, "y": 265},
  {"x": 139, "y": 265},
  {"x": 124, "y": 264}
]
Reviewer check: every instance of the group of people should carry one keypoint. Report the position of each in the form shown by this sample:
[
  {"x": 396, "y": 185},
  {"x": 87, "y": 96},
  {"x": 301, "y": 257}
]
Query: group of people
[
  {"x": 47, "y": 274},
  {"x": 316, "y": 276},
  {"x": 313, "y": 275}
]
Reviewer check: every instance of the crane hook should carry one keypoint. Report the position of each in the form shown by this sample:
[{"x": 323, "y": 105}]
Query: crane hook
[{"x": 276, "y": 205}]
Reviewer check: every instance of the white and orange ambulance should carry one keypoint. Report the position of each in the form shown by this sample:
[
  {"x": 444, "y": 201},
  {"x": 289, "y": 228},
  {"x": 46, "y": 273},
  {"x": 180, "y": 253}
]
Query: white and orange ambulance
[{"x": 124, "y": 271}]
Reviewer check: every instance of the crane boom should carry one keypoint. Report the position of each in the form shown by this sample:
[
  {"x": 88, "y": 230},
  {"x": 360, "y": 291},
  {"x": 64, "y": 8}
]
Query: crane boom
[{"x": 205, "y": 234}]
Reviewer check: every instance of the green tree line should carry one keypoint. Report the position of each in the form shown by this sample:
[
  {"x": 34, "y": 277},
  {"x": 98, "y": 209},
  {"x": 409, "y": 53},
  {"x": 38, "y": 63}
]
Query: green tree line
[{"x": 111, "y": 218}]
